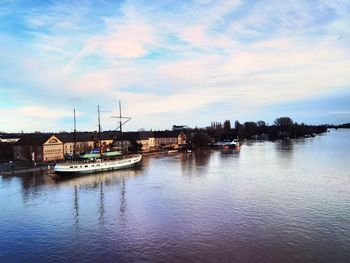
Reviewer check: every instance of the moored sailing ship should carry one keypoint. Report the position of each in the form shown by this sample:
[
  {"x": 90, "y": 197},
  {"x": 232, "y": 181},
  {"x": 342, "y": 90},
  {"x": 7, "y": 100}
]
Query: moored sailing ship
[
  {"x": 99, "y": 162},
  {"x": 98, "y": 165}
]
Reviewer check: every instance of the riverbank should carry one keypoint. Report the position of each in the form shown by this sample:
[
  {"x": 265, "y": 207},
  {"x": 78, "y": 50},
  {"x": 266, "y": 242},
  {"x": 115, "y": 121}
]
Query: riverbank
[
  {"x": 14, "y": 168},
  {"x": 11, "y": 168}
]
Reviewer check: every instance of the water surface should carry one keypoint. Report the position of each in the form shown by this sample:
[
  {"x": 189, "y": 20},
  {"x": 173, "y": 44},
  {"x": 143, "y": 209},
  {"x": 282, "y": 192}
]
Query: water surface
[{"x": 271, "y": 202}]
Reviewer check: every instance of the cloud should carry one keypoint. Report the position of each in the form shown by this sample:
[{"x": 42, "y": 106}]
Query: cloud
[
  {"x": 129, "y": 39},
  {"x": 171, "y": 57},
  {"x": 33, "y": 118}
]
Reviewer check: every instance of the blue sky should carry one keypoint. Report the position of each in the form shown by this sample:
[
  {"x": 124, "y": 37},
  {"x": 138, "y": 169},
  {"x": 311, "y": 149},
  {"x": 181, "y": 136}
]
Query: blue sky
[{"x": 172, "y": 62}]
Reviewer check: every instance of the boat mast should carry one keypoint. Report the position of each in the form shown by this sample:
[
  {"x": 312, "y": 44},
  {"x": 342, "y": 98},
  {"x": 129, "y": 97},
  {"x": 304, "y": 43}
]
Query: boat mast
[
  {"x": 120, "y": 126},
  {"x": 74, "y": 137},
  {"x": 120, "y": 117},
  {"x": 99, "y": 130},
  {"x": 121, "y": 123}
]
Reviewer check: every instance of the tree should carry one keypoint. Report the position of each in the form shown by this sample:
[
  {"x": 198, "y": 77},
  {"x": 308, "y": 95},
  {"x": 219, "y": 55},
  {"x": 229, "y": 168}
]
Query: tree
[
  {"x": 239, "y": 129},
  {"x": 227, "y": 125},
  {"x": 135, "y": 146},
  {"x": 216, "y": 125},
  {"x": 249, "y": 129},
  {"x": 284, "y": 122},
  {"x": 261, "y": 123},
  {"x": 262, "y": 127},
  {"x": 200, "y": 139},
  {"x": 237, "y": 125}
]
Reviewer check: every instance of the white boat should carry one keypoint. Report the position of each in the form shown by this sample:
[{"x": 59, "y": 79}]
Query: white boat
[
  {"x": 235, "y": 144},
  {"x": 98, "y": 165}
]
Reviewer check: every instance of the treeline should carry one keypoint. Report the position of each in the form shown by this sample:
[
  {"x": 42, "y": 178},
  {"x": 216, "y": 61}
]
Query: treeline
[
  {"x": 341, "y": 126},
  {"x": 283, "y": 127}
]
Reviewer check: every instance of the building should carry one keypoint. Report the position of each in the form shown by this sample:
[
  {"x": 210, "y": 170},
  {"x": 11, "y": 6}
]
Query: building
[
  {"x": 151, "y": 141},
  {"x": 169, "y": 139},
  {"x": 41, "y": 147},
  {"x": 180, "y": 127},
  {"x": 38, "y": 148},
  {"x": 10, "y": 137},
  {"x": 86, "y": 141},
  {"x": 126, "y": 140}
]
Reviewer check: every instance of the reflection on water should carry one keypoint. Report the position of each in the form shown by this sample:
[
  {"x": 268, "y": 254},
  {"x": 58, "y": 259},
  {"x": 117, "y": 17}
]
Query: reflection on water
[
  {"x": 76, "y": 205},
  {"x": 270, "y": 202},
  {"x": 123, "y": 202},
  {"x": 199, "y": 157},
  {"x": 101, "y": 209}
]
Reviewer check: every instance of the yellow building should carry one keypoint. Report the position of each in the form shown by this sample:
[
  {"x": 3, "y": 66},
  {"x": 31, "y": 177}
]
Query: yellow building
[
  {"x": 169, "y": 139},
  {"x": 85, "y": 141},
  {"x": 38, "y": 148},
  {"x": 150, "y": 141}
]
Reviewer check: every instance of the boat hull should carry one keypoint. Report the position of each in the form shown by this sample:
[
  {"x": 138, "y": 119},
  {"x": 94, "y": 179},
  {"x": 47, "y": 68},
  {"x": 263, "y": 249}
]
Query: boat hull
[{"x": 96, "y": 167}]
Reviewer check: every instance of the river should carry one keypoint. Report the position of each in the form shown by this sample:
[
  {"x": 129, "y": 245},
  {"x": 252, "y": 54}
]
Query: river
[{"x": 271, "y": 202}]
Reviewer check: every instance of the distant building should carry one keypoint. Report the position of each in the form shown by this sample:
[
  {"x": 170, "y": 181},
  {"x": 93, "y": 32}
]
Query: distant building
[
  {"x": 9, "y": 137},
  {"x": 38, "y": 148},
  {"x": 169, "y": 139},
  {"x": 152, "y": 140},
  {"x": 180, "y": 127}
]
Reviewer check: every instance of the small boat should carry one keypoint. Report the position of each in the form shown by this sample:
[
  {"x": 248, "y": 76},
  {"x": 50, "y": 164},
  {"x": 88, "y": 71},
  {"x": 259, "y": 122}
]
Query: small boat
[
  {"x": 98, "y": 161},
  {"x": 233, "y": 145}
]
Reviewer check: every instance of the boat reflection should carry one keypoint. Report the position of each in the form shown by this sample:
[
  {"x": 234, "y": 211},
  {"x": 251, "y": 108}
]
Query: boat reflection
[
  {"x": 93, "y": 181},
  {"x": 76, "y": 206},
  {"x": 123, "y": 202},
  {"x": 101, "y": 207},
  {"x": 34, "y": 187},
  {"x": 229, "y": 151},
  {"x": 100, "y": 181}
]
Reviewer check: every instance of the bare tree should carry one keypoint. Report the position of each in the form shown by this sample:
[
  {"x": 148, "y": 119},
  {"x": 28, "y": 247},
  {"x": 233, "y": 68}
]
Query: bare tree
[
  {"x": 284, "y": 122},
  {"x": 227, "y": 125}
]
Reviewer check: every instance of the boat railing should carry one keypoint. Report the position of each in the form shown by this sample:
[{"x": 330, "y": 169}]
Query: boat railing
[{"x": 96, "y": 160}]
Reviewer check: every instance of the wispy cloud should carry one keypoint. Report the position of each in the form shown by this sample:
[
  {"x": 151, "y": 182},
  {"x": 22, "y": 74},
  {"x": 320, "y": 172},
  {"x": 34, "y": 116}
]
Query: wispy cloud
[{"x": 169, "y": 57}]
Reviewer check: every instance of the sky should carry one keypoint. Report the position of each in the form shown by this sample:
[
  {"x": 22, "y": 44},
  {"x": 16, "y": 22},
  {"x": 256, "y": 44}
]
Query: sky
[{"x": 172, "y": 62}]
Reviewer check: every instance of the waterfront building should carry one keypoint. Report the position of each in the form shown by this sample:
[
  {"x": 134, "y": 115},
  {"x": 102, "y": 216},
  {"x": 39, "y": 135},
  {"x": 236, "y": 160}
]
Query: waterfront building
[
  {"x": 145, "y": 139},
  {"x": 38, "y": 148},
  {"x": 169, "y": 139},
  {"x": 151, "y": 140},
  {"x": 85, "y": 141},
  {"x": 42, "y": 147}
]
